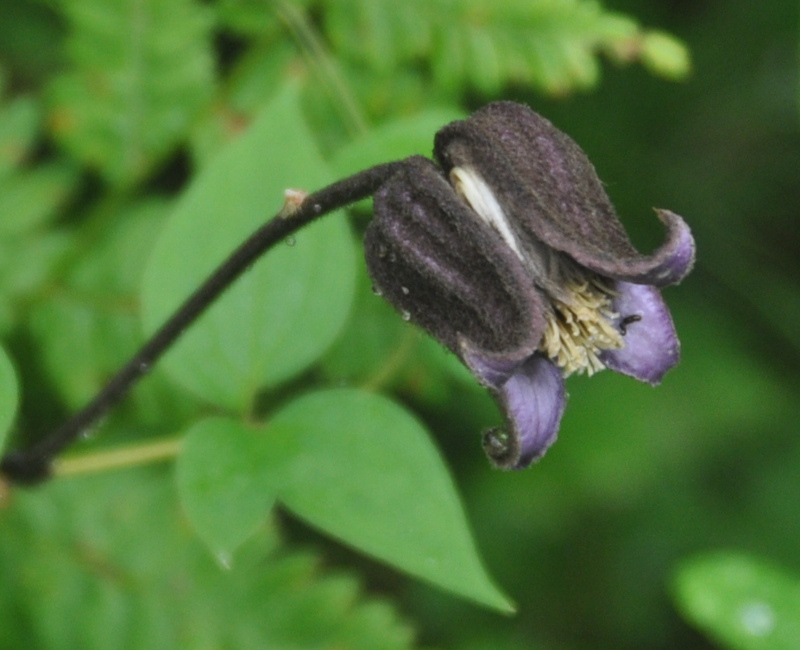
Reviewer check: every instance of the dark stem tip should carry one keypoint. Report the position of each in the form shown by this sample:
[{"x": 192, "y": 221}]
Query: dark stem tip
[
  {"x": 21, "y": 469},
  {"x": 32, "y": 466}
]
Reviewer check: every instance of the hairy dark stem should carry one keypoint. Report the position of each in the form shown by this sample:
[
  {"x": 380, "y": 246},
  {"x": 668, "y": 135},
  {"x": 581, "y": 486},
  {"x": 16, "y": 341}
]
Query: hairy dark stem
[{"x": 33, "y": 465}]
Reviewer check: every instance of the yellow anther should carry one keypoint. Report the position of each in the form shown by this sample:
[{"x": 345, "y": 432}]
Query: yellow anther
[{"x": 580, "y": 326}]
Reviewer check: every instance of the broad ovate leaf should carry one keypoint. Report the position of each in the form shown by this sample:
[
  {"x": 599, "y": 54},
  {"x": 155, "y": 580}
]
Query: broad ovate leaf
[
  {"x": 367, "y": 473},
  {"x": 394, "y": 140},
  {"x": 290, "y": 306},
  {"x": 228, "y": 477}
]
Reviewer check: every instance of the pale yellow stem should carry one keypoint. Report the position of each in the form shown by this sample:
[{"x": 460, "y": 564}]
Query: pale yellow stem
[{"x": 127, "y": 456}]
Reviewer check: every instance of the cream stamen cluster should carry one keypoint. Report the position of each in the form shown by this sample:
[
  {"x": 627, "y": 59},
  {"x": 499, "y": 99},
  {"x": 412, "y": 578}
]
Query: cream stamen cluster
[
  {"x": 579, "y": 329},
  {"x": 580, "y": 321}
]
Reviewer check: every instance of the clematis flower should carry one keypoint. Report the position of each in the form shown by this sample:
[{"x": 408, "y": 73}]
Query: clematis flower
[{"x": 509, "y": 252}]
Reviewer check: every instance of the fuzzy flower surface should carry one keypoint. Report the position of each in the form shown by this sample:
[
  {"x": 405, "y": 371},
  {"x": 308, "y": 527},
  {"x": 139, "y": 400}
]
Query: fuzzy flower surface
[{"x": 508, "y": 251}]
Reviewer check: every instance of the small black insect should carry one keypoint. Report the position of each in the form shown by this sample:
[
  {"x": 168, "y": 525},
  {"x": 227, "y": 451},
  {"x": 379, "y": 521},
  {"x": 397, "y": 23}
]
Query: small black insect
[{"x": 623, "y": 325}]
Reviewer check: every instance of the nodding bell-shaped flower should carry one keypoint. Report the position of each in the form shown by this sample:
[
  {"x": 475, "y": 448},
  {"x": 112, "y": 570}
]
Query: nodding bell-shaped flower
[{"x": 509, "y": 252}]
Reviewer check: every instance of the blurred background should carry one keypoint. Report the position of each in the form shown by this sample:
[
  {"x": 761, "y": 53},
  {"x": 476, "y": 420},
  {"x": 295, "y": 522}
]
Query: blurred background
[
  {"x": 589, "y": 540},
  {"x": 640, "y": 478}
]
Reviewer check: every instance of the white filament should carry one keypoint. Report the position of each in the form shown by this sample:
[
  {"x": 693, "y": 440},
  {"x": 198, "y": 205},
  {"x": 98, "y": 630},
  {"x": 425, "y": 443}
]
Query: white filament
[
  {"x": 472, "y": 188},
  {"x": 580, "y": 318}
]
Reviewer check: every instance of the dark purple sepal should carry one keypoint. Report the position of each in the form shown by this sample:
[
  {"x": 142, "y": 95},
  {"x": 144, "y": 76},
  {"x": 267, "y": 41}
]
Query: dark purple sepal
[
  {"x": 551, "y": 193},
  {"x": 492, "y": 370},
  {"x": 533, "y": 401},
  {"x": 666, "y": 266},
  {"x": 651, "y": 344},
  {"x": 483, "y": 273},
  {"x": 440, "y": 266}
]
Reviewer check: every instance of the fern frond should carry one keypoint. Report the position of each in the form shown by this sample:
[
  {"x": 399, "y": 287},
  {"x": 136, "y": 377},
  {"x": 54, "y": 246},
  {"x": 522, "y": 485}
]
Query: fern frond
[
  {"x": 107, "y": 562},
  {"x": 141, "y": 69},
  {"x": 549, "y": 44},
  {"x": 31, "y": 196}
]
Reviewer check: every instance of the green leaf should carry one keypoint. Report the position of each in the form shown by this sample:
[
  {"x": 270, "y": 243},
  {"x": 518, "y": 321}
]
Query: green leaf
[
  {"x": 29, "y": 198},
  {"x": 742, "y": 602},
  {"x": 9, "y": 396},
  {"x": 248, "y": 17},
  {"x": 258, "y": 75},
  {"x": 19, "y": 127},
  {"x": 288, "y": 309},
  {"x": 27, "y": 263},
  {"x": 141, "y": 70},
  {"x": 665, "y": 55},
  {"x": 130, "y": 574},
  {"x": 31, "y": 38},
  {"x": 374, "y": 338},
  {"x": 228, "y": 477},
  {"x": 394, "y": 140},
  {"x": 368, "y": 474}
]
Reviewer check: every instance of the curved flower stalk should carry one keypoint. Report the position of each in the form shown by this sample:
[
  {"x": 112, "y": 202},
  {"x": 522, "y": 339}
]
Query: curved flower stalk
[{"x": 509, "y": 252}]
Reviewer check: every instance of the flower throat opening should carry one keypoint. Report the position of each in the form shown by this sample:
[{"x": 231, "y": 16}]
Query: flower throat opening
[
  {"x": 581, "y": 327},
  {"x": 580, "y": 321}
]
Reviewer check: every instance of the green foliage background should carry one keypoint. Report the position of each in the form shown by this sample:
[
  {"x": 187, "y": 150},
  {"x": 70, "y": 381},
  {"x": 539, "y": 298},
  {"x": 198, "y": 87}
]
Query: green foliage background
[{"x": 139, "y": 139}]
